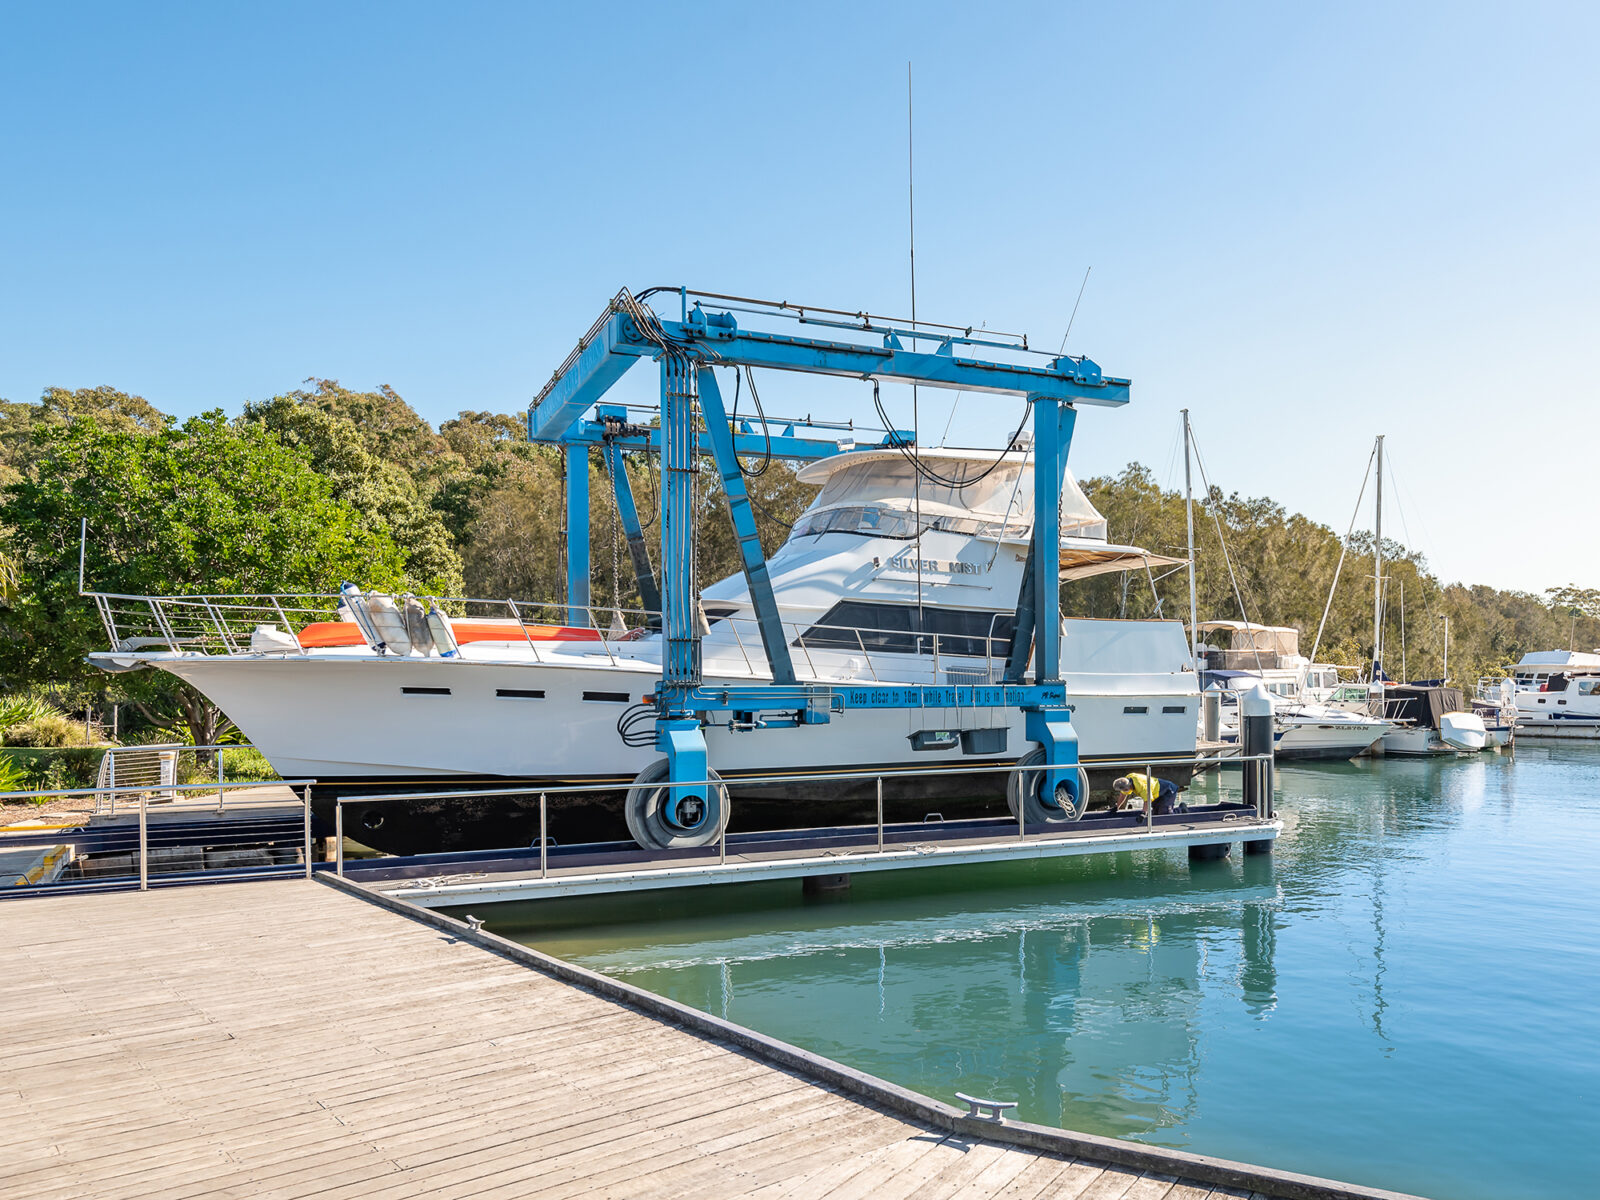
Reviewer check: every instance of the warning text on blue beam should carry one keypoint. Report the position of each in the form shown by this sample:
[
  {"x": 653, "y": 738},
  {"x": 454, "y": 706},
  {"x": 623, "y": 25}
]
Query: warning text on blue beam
[
  {"x": 949, "y": 696},
  {"x": 767, "y": 698}
]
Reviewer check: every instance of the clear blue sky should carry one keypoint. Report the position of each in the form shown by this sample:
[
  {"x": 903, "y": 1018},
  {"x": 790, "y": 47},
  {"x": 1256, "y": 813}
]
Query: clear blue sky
[{"x": 1310, "y": 224}]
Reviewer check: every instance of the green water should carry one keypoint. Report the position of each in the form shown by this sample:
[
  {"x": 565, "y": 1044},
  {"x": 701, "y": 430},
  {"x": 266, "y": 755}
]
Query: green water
[{"x": 1403, "y": 995}]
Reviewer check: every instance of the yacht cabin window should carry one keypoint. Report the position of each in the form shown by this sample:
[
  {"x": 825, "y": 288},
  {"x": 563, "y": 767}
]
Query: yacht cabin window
[
  {"x": 895, "y": 629},
  {"x": 878, "y": 521}
]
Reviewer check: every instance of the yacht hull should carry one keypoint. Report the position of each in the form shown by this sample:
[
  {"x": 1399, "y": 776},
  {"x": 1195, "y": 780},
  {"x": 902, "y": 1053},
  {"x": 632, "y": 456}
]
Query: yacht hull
[
  {"x": 1419, "y": 743},
  {"x": 366, "y": 727},
  {"x": 1313, "y": 740},
  {"x": 1577, "y": 729}
]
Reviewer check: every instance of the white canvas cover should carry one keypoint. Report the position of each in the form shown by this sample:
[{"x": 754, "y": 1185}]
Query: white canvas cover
[
  {"x": 1246, "y": 635},
  {"x": 998, "y": 493}
]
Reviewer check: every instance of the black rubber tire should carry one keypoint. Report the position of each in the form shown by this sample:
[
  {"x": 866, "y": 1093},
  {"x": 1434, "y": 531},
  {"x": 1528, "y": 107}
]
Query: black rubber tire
[
  {"x": 1022, "y": 789},
  {"x": 643, "y": 810}
]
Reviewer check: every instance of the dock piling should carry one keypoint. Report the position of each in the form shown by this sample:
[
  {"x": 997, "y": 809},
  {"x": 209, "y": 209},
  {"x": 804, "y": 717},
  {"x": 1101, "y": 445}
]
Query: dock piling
[
  {"x": 825, "y": 885},
  {"x": 1255, "y": 740}
]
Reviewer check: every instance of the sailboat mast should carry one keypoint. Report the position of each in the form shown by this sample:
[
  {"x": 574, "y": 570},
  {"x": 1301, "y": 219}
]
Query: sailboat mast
[
  {"x": 1377, "y": 571},
  {"x": 1188, "y": 504}
]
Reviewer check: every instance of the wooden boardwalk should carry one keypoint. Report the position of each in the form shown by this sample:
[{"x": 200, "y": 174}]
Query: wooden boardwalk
[{"x": 285, "y": 1039}]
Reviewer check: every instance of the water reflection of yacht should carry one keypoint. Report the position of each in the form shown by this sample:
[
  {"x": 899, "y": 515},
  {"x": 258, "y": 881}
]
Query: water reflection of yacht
[
  {"x": 1091, "y": 1018},
  {"x": 862, "y": 597}
]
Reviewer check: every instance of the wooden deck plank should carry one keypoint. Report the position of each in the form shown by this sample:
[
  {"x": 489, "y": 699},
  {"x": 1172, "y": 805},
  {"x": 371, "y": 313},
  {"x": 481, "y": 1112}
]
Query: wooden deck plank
[{"x": 280, "y": 1039}]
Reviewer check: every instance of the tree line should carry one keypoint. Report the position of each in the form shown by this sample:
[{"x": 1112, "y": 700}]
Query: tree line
[{"x": 305, "y": 489}]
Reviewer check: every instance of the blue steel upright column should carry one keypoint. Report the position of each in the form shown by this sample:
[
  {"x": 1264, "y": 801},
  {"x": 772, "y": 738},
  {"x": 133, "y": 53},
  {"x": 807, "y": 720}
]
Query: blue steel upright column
[
  {"x": 1050, "y": 727},
  {"x": 677, "y": 729},
  {"x": 577, "y": 534}
]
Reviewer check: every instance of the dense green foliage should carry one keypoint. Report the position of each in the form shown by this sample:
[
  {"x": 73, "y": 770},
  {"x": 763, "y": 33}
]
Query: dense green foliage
[
  {"x": 206, "y": 507},
  {"x": 317, "y": 485},
  {"x": 1283, "y": 567}
]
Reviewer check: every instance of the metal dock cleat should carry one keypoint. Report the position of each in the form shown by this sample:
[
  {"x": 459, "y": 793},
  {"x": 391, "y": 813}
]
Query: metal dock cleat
[{"x": 995, "y": 1108}]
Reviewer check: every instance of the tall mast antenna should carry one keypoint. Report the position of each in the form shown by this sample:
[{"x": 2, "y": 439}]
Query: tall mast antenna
[
  {"x": 1377, "y": 569},
  {"x": 1188, "y": 505},
  {"x": 916, "y": 424}
]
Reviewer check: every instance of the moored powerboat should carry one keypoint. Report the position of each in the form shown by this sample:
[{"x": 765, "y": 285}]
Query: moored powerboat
[
  {"x": 1432, "y": 720},
  {"x": 1269, "y": 655},
  {"x": 1302, "y": 729},
  {"x": 1564, "y": 708}
]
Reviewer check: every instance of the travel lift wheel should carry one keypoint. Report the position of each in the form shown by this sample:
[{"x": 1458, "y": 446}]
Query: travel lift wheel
[
  {"x": 1022, "y": 790},
  {"x": 698, "y": 819}
]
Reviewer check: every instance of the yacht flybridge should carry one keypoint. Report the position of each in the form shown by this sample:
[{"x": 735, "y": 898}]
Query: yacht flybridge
[{"x": 910, "y": 623}]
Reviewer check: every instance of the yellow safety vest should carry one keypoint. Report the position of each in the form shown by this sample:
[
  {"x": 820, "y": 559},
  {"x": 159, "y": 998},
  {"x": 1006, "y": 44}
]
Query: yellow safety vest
[{"x": 1146, "y": 787}]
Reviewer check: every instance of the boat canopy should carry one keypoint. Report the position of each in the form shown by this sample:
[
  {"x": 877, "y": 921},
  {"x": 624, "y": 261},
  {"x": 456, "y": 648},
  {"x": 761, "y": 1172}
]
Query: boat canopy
[
  {"x": 980, "y": 493},
  {"x": 984, "y": 492},
  {"x": 1248, "y": 636},
  {"x": 1424, "y": 705},
  {"x": 1556, "y": 660},
  {"x": 1083, "y": 557}
]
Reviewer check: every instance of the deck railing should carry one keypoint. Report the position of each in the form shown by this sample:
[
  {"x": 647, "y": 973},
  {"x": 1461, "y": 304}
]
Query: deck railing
[
  {"x": 175, "y": 835},
  {"x": 155, "y": 768},
  {"x": 223, "y": 625},
  {"x": 1258, "y": 806}
]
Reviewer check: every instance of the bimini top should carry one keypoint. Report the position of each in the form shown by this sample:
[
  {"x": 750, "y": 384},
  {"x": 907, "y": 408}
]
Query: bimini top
[
  {"x": 979, "y": 493},
  {"x": 1247, "y": 635},
  {"x": 988, "y": 493}
]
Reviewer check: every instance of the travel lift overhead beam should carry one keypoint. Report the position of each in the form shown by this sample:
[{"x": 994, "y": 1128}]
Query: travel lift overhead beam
[{"x": 688, "y": 349}]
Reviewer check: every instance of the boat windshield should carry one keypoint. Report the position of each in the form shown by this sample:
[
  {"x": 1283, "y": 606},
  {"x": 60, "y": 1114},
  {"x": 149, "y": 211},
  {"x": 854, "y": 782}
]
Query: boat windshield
[{"x": 877, "y": 521}]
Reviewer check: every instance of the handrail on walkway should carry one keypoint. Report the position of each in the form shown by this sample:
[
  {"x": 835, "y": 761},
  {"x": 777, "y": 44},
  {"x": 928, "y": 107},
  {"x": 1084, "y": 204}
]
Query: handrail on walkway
[
  {"x": 1258, "y": 793},
  {"x": 303, "y": 795}
]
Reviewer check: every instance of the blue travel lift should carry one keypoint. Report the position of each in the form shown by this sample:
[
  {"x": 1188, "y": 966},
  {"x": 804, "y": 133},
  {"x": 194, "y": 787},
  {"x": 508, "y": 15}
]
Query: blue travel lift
[{"x": 681, "y": 799}]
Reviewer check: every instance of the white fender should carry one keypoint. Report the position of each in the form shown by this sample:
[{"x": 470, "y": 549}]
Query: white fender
[
  {"x": 389, "y": 623},
  {"x": 353, "y": 606},
  {"x": 444, "y": 638},
  {"x": 416, "y": 619}
]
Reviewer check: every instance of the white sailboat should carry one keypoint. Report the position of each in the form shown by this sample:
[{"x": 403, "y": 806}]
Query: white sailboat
[
  {"x": 1269, "y": 655},
  {"x": 1430, "y": 719}
]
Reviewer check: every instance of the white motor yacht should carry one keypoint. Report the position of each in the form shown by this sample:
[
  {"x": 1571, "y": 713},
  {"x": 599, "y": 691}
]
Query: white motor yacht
[
  {"x": 521, "y": 699},
  {"x": 1303, "y": 726},
  {"x": 1300, "y": 729},
  {"x": 1556, "y": 695}
]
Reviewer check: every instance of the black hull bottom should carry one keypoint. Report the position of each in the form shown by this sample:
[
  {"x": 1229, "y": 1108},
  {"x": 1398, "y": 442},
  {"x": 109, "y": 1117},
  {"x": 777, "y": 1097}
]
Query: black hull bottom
[{"x": 454, "y": 822}]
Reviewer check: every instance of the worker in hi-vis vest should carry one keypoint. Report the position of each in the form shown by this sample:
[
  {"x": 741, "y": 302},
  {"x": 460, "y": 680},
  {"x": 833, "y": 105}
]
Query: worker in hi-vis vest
[{"x": 1158, "y": 795}]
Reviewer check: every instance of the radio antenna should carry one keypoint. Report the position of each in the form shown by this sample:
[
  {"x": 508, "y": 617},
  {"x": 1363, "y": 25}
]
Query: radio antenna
[{"x": 916, "y": 424}]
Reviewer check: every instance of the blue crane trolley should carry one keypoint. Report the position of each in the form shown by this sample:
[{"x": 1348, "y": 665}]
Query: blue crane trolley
[{"x": 712, "y": 331}]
